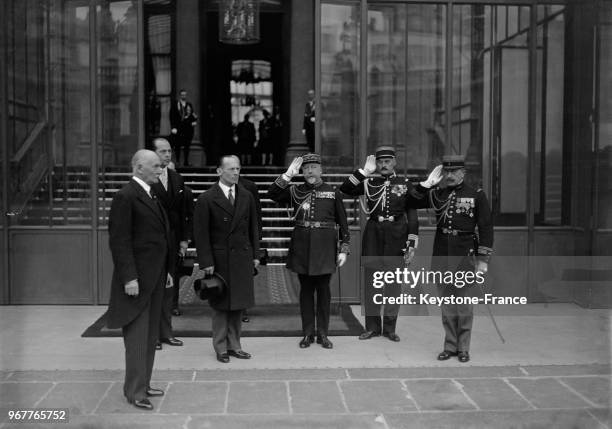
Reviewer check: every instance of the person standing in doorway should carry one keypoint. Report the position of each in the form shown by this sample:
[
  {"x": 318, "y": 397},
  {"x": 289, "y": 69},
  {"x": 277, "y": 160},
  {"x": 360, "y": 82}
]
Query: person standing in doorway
[
  {"x": 308, "y": 125},
  {"x": 178, "y": 110}
]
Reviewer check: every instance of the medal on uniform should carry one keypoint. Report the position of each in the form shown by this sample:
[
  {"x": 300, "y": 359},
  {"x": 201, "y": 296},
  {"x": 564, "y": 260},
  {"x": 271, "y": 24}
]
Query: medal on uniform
[
  {"x": 387, "y": 182},
  {"x": 306, "y": 206}
]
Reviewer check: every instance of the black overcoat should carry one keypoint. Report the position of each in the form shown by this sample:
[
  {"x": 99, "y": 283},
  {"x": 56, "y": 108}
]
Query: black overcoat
[
  {"x": 227, "y": 238},
  {"x": 139, "y": 240}
]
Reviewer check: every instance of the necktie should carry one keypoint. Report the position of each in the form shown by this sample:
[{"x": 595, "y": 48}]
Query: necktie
[
  {"x": 230, "y": 197},
  {"x": 164, "y": 179}
]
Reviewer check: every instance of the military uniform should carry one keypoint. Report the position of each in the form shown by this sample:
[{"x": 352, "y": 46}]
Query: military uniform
[
  {"x": 313, "y": 249},
  {"x": 392, "y": 226},
  {"x": 460, "y": 211}
]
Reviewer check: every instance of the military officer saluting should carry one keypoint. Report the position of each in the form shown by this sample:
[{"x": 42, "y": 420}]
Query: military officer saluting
[
  {"x": 463, "y": 242},
  {"x": 313, "y": 251},
  {"x": 392, "y": 230}
]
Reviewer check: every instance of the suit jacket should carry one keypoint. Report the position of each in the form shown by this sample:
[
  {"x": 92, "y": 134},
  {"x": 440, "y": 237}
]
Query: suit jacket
[
  {"x": 139, "y": 239},
  {"x": 227, "y": 237},
  {"x": 250, "y": 186},
  {"x": 173, "y": 201},
  {"x": 176, "y": 116}
]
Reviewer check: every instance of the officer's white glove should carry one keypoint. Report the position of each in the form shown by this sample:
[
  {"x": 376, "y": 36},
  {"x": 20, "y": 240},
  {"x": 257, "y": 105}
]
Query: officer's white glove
[
  {"x": 434, "y": 177},
  {"x": 341, "y": 259},
  {"x": 370, "y": 165},
  {"x": 169, "y": 281},
  {"x": 408, "y": 256},
  {"x": 481, "y": 267},
  {"x": 294, "y": 168}
]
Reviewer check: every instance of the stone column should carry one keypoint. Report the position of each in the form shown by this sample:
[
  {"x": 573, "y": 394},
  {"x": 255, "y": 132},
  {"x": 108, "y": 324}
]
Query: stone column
[
  {"x": 302, "y": 64},
  {"x": 188, "y": 70}
]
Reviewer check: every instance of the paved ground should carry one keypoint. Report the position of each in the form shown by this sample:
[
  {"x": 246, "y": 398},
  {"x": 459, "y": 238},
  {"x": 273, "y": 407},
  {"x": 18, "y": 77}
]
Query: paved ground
[
  {"x": 552, "y": 372},
  {"x": 454, "y": 397}
]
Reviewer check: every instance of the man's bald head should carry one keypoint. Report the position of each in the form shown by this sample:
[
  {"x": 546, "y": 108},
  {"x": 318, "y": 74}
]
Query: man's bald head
[{"x": 146, "y": 166}]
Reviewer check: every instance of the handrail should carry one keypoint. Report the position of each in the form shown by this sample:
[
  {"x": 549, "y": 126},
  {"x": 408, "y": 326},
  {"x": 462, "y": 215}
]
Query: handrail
[{"x": 29, "y": 141}]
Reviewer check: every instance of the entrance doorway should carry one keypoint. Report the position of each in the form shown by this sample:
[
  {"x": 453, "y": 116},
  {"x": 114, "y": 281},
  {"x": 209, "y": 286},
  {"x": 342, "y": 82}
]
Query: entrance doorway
[{"x": 240, "y": 79}]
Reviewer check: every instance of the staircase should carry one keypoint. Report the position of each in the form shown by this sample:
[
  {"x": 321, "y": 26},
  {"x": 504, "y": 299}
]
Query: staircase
[{"x": 65, "y": 199}]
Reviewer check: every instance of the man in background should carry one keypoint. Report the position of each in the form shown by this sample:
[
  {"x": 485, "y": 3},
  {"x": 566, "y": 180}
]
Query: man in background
[{"x": 170, "y": 190}]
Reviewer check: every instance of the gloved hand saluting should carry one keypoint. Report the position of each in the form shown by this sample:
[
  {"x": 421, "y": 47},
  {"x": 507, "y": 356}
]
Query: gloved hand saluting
[
  {"x": 434, "y": 178},
  {"x": 370, "y": 165},
  {"x": 294, "y": 168}
]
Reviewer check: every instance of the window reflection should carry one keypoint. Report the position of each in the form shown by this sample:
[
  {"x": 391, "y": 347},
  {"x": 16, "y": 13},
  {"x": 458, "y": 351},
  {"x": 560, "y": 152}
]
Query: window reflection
[
  {"x": 551, "y": 206},
  {"x": 50, "y": 150},
  {"x": 604, "y": 155},
  {"x": 339, "y": 96},
  {"x": 489, "y": 100},
  {"x": 406, "y": 51}
]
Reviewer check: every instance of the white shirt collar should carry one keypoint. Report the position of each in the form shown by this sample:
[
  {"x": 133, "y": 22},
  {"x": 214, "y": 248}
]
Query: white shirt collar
[
  {"x": 226, "y": 189},
  {"x": 144, "y": 185}
]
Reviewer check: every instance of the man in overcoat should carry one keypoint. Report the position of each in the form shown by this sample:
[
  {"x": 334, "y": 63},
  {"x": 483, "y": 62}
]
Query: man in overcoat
[
  {"x": 314, "y": 252},
  {"x": 227, "y": 243},
  {"x": 391, "y": 231},
  {"x": 140, "y": 243},
  {"x": 170, "y": 190},
  {"x": 463, "y": 243}
]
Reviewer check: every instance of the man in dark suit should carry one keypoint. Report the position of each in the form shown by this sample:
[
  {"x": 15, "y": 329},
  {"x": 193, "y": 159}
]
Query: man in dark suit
[
  {"x": 140, "y": 244},
  {"x": 170, "y": 189},
  {"x": 308, "y": 125},
  {"x": 251, "y": 186},
  {"x": 179, "y": 114},
  {"x": 227, "y": 243}
]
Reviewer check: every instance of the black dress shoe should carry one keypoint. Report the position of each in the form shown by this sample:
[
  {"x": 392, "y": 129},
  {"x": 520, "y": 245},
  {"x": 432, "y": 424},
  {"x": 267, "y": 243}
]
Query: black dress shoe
[
  {"x": 463, "y": 357},
  {"x": 158, "y": 346},
  {"x": 223, "y": 357},
  {"x": 145, "y": 404},
  {"x": 306, "y": 341},
  {"x": 239, "y": 354},
  {"x": 172, "y": 341},
  {"x": 246, "y": 319},
  {"x": 176, "y": 312},
  {"x": 324, "y": 341},
  {"x": 154, "y": 392},
  {"x": 445, "y": 355},
  {"x": 368, "y": 334},
  {"x": 392, "y": 336}
]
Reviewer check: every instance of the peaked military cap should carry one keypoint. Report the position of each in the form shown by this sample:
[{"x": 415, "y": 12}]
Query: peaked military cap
[
  {"x": 311, "y": 158},
  {"x": 385, "y": 152},
  {"x": 453, "y": 162}
]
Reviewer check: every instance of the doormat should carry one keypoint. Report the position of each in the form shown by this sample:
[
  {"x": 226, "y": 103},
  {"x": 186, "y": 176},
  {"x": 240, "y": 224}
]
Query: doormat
[{"x": 281, "y": 320}]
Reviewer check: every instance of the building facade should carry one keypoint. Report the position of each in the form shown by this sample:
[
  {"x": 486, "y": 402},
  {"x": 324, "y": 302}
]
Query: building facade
[{"x": 518, "y": 87}]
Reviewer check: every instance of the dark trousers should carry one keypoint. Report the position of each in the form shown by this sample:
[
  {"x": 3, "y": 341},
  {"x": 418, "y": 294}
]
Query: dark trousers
[
  {"x": 308, "y": 286},
  {"x": 139, "y": 338},
  {"x": 372, "y": 310},
  {"x": 457, "y": 320},
  {"x": 171, "y": 296},
  {"x": 226, "y": 329},
  {"x": 184, "y": 143}
]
